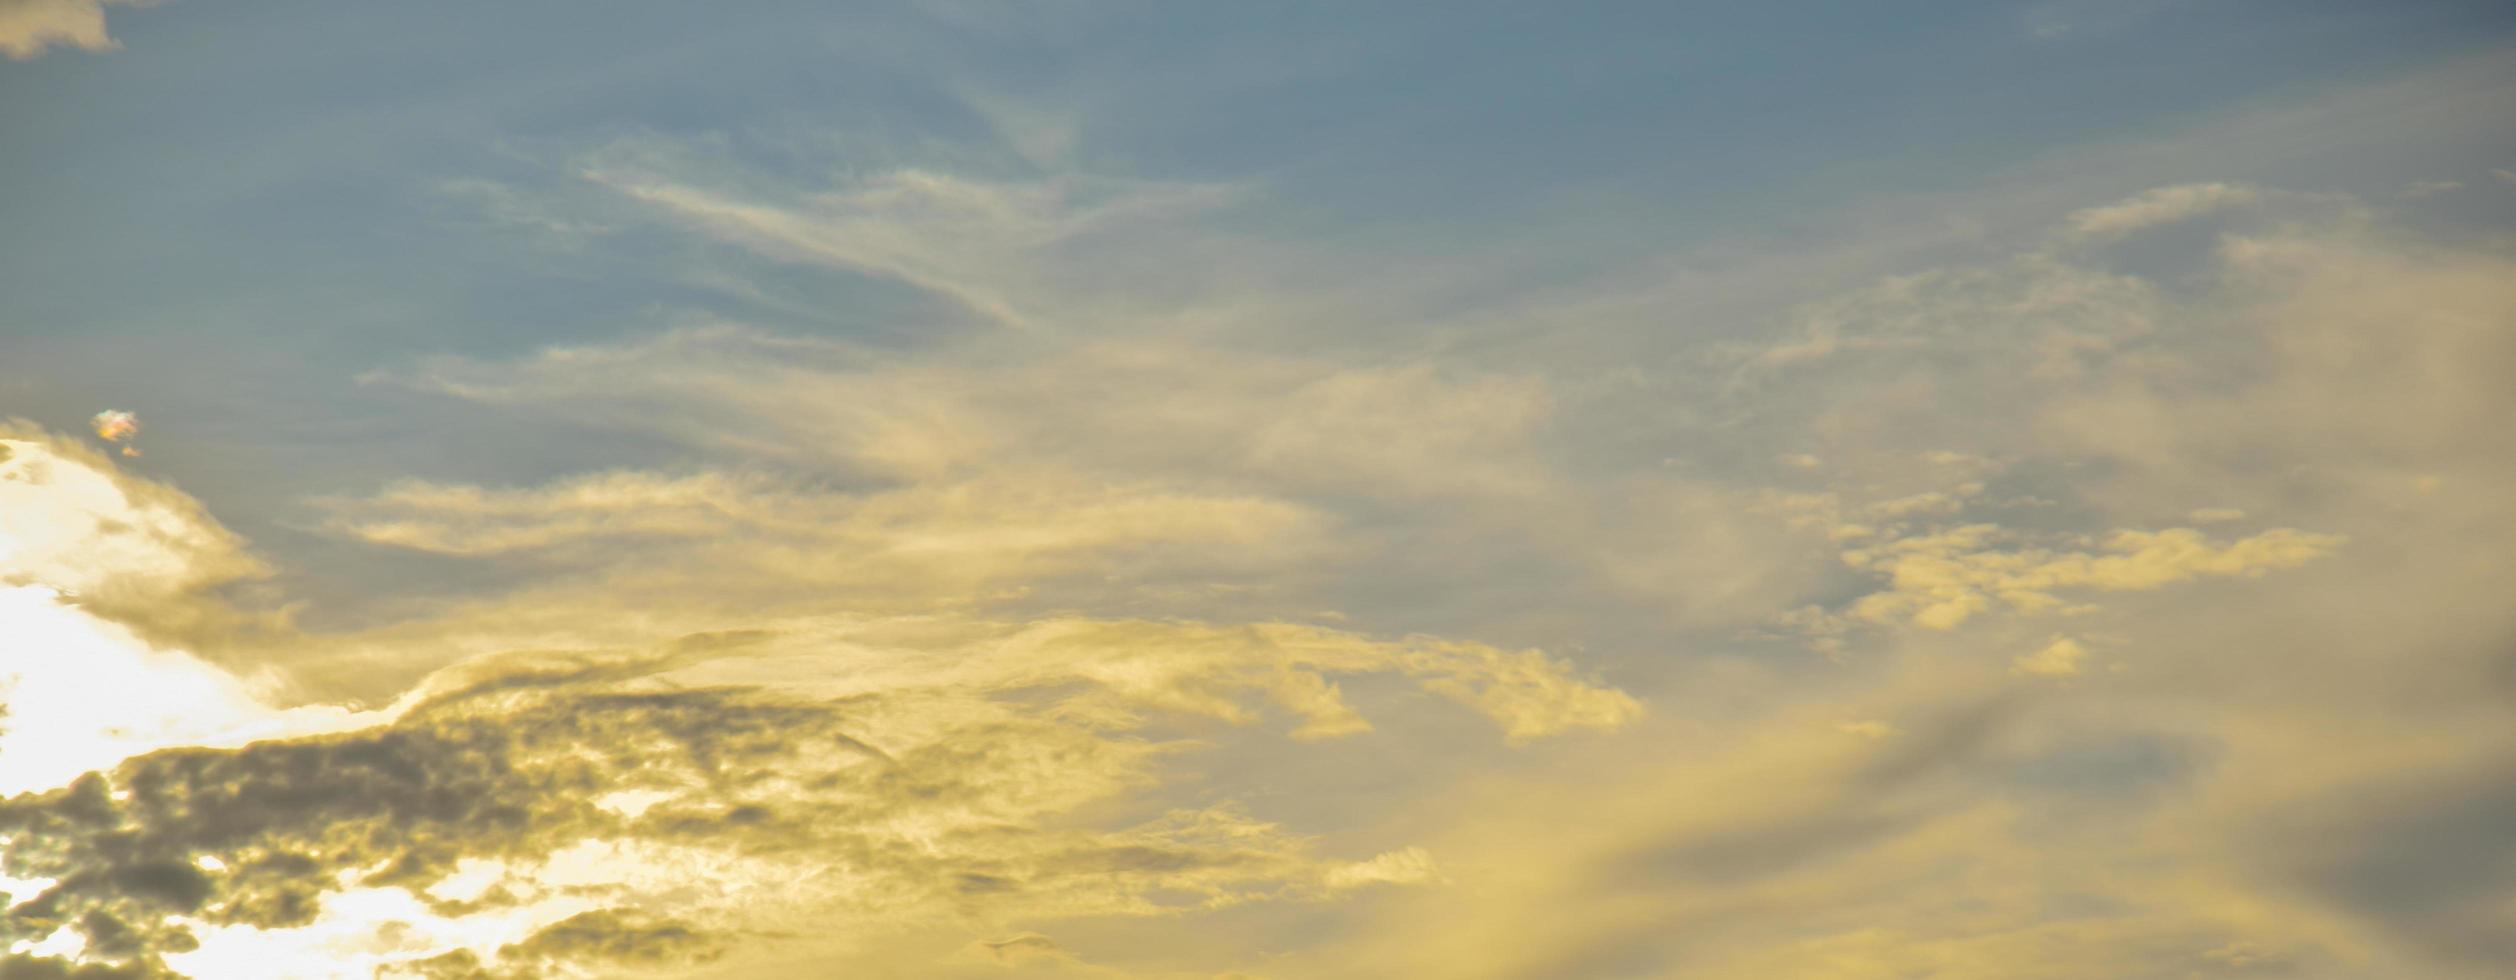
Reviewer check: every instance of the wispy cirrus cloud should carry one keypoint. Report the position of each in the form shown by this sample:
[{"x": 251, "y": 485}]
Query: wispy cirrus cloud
[
  {"x": 1186, "y": 591},
  {"x": 2161, "y": 206},
  {"x": 981, "y": 244},
  {"x": 2197, "y": 692}
]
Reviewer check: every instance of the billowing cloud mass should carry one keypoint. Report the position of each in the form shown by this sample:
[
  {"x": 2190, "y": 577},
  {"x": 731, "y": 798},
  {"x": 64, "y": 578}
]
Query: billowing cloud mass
[
  {"x": 81, "y": 547},
  {"x": 587, "y": 809},
  {"x": 942, "y": 493},
  {"x": 889, "y": 773}
]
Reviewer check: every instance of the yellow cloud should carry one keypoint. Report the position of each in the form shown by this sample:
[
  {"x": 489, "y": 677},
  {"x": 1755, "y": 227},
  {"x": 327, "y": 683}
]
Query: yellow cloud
[
  {"x": 2060, "y": 658},
  {"x": 926, "y": 541},
  {"x": 853, "y": 791},
  {"x": 29, "y": 27},
  {"x": 1940, "y": 579},
  {"x": 774, "y": 766},
  {"x": 1156, "y": 411},
  {"x": 1406, "y": 867}
]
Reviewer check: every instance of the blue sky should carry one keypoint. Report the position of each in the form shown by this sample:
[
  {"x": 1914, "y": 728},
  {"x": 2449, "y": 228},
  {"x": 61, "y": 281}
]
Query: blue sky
[
  {"x": 319, "y": 180},
  {"x": 1390, "y": 489}
]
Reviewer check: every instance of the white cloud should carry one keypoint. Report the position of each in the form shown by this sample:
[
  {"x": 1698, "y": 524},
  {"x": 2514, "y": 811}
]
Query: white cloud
[
  {"x": 71, "y": 521},
  {"x": 79, "y": 691}
]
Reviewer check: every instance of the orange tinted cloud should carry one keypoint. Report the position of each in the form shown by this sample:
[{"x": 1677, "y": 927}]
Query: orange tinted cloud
[{"x": 117, "y": 427}]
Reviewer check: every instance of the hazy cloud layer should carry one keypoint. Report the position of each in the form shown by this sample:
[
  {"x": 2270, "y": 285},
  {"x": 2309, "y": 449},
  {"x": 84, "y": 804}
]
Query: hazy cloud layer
[{"x": 1038, "y": 548}]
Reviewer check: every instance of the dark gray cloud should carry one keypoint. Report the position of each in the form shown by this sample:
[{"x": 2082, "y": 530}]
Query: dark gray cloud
[
  {"x": 506, "y": 769},
  {"x": 602, "y": 938}
]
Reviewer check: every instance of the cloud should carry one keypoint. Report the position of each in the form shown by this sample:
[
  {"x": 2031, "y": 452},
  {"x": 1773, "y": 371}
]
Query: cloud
[
  {"x": 893, "y": 803},
  {"x": 1029, "y": 949},
  {"x": 2305, "y": 425},
  {"x": 653, "y": 787},
  {"x": 1148, "y": 410},
  {"x": 79, "y": 693},
  {"x": 2160, "y": 206},
  {"x": 96, "y": 569},
  {"x": 2032, "y": 436},
  {"x": 2047, "y": 315},
  {"x": 2060, "y": 658},
  {"x": 72, "y": 521},
  {"x": 984, "y": 245},
  {"x": 2307, "y": 304},
  {"x": 610, "y": 937},
  {"x": 949, "y": 543},
  {"x": 30, "y": 27},
  {"x": 892, "y": 651},
  {"x": 1805, "y": 854},
  {"x": 1410, "y": 866},
  {"x": 117, "y": 427},
  {"x": 1939, "y": 580}
]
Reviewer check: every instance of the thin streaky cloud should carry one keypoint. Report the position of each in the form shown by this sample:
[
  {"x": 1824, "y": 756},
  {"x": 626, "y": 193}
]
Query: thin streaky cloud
[{"x": 959, "y": 490}]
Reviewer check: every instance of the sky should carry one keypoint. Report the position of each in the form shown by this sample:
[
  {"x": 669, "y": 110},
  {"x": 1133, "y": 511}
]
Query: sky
[{"x": 1099, "y": 489}]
